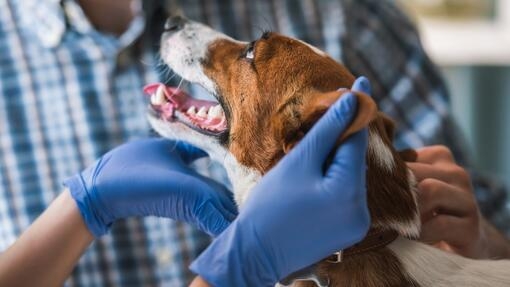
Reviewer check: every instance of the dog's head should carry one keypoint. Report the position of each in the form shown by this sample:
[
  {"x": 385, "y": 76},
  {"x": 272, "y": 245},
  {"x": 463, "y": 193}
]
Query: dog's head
[{"x": 270, "y": 92}]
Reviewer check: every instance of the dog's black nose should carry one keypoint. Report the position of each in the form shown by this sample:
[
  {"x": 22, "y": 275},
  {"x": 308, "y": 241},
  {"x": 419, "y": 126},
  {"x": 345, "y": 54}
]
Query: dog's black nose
[{"x": 174, "y": 24}]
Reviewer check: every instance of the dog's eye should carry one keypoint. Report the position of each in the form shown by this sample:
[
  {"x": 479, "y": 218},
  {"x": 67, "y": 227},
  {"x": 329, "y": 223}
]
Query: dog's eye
[
  {"x": 249, "y": 54},
  {"x": 250, "y": 51}
]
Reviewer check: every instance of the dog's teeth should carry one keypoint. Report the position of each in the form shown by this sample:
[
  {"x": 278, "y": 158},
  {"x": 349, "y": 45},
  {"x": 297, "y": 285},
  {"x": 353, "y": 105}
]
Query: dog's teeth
[
  {"x": 215, "y": 112},
  {"x": 221, "y": 114},
  {"x": 160, "y": 94},
  {"x": 153, "y": 99},
  {"x": 159, "y": 97},
  {"x": 202, "y": 112},
  {"x": 192, "y": 110}
]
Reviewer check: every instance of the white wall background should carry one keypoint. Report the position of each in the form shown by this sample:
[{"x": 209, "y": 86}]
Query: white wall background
[{"x": 481, "y": 103}]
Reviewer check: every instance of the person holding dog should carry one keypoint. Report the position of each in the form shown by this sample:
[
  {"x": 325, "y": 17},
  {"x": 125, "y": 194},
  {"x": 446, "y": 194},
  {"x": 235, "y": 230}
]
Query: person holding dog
[{"x": 70, "y": 80}]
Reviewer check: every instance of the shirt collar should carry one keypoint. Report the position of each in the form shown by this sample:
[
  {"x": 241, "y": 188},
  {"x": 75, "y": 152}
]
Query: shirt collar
[
  {"x": 48, "y": 19},
  {"x": 45, "y": 18}
]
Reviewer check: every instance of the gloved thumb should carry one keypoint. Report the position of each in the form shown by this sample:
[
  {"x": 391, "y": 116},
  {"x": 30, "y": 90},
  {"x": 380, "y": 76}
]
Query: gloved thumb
[
  {"x": 321, "y": 139},
  {"x": 349, "y": 161}
]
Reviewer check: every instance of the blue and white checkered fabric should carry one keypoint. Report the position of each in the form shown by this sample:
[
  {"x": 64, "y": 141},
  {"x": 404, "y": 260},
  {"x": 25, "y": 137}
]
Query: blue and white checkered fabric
[{"x": 68, "y": 94}]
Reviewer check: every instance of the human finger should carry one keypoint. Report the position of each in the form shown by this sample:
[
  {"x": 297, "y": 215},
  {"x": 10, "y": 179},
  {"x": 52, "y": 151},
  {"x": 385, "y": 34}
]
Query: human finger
[
  {"x": 434, "y": 154},
  {"x": 437, "y": 197}
]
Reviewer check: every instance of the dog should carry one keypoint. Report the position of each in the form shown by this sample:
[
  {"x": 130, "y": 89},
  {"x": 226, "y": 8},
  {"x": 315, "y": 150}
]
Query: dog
[{"x": 270, "y": 92}]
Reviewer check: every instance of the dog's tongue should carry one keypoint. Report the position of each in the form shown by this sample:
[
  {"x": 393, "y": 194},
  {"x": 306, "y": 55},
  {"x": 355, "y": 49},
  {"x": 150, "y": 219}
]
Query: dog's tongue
[
  {"x": 167, "y": 100},
  {"x": 177, "y": 97}
]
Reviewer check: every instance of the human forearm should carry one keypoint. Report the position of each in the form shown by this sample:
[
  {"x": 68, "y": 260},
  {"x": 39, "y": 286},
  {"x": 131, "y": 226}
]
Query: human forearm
[
  {"x": 199, "y": 282},
  {"x": 46, "y": 253}
]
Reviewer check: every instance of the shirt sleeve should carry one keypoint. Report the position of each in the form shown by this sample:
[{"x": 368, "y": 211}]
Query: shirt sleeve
[{"x": 381, "y": 43}]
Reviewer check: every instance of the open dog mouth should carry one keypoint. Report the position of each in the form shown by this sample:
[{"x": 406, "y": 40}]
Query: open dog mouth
[{"x": 172, "y": 104}]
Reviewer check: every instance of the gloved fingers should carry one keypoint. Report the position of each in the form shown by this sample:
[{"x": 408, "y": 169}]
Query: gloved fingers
[
  {"x": 224, "y": 196},
  {"x": 362, "y": 85},
  {"x": 349, "y": 162},
  {"x": 199, "y": 190},
  {"x": 227, "y": 207},
  {"x": 320, "y": 140},
  {"x": 188, "y": 197},
  {"x": 177, "y": 195},
  {"x": 187, "y": 152},
  {"x": 228, "y": 204},
  {"x": 211, "y": 219},
  {"x": 156, "y": 151}
]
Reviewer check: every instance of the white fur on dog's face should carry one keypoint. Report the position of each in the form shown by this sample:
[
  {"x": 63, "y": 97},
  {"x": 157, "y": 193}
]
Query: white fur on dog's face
[{"x": 184, "y": 51}]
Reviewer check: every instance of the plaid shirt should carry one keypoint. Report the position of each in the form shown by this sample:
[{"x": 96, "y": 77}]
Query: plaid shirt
[{"x": 68, "y": 94}]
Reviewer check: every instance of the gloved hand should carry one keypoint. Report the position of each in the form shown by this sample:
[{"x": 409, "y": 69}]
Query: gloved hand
[
  {"x": 150, "y": 177},
  {"x": 298, "y": 213}
]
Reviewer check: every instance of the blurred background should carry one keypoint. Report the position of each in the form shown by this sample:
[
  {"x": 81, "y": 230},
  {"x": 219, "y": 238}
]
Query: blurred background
[{"x": 470, "y": 41}]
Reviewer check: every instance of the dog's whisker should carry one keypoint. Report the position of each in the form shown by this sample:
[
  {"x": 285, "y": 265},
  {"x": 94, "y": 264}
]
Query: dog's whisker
[
  {"x": 179, "y": 86},
  {"x": 149, "y": 64},
  {"x": 169, "y": 79},
  {"x": 169, "y": 74},
  {"x": 155, "y": 63},
  {"x": 159, "y": 60},
  {"x": 267, "y": 24},
  {"x": 160, "y": 64},
  {"x": 180, "y": 83}
]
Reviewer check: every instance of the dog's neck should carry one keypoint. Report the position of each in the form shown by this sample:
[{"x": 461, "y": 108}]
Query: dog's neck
[{"x": 243, "y": 179}]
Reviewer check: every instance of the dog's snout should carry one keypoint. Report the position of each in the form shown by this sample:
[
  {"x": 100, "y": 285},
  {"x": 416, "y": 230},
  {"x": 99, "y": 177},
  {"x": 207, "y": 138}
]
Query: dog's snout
[{"x": 174, "y": 24}]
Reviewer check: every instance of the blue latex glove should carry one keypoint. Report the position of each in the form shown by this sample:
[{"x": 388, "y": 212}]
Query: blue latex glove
[
  {"x": 150, "y": 177},
  {"x": 298, "y": 213}
]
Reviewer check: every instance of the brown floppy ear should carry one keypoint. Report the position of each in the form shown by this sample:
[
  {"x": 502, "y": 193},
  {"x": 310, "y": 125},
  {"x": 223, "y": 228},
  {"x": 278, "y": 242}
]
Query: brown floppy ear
[{"x": 320, "y": 103}]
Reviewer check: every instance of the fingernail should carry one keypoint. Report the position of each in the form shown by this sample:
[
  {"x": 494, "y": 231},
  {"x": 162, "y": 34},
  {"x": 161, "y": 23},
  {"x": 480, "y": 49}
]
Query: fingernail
[{"x": 363, "y": 85}]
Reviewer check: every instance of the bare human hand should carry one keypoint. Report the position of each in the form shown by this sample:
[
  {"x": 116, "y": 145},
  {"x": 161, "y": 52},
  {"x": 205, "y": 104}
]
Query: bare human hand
[{"x": 451, "y": 219}]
